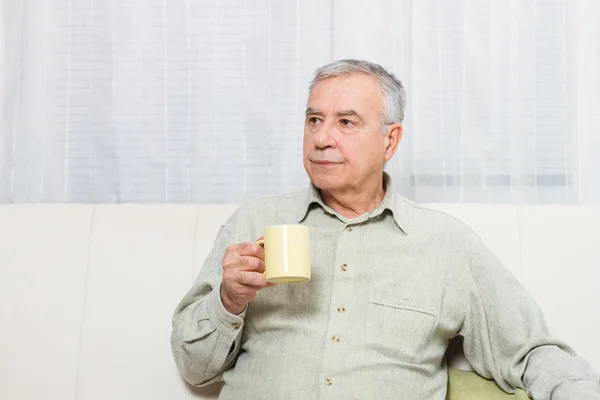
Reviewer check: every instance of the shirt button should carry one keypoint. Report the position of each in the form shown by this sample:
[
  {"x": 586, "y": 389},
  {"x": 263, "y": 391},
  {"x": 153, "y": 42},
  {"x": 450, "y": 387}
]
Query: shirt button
[
  {"x": 236, "y": 325},
  {"x": 349, "y": 228},
  {"x": 341, "y": 309},
  {"x": 344, "y": 267},
  {"x": 336, "y": 339},
  {"x": 328, "y": 382}
]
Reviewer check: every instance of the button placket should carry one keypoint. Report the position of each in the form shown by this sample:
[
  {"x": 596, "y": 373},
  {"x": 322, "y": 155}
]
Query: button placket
[{"x": 336, "y": 338}]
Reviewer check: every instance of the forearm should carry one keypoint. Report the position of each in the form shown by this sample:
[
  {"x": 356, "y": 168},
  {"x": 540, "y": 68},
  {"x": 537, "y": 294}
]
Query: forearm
[
  {"x": 559, "y": 374},
  {"x": 205, "y": 339},
  {"x": 506, "y": 337},
  {"x": 577, "y": 389}
]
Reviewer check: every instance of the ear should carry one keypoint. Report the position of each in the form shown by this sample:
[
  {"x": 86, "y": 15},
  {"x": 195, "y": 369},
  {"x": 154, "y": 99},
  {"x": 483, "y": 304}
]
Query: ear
[{"x": 392, "y": 139}]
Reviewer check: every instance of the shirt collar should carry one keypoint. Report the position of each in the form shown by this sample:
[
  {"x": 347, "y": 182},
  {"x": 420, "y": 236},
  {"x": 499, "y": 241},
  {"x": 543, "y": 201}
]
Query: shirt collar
[{"x": 393, "y": 202}]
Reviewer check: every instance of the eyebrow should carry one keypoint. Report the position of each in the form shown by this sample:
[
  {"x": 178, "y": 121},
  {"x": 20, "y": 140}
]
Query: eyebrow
[
  {"x": 350, "y": 113},
  {"x": 312, "y": 111},
  {"x": 343, "y": 113}
]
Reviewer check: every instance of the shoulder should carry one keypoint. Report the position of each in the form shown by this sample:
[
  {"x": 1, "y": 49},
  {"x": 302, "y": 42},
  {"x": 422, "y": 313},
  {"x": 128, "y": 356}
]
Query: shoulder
[
  {"x": 271, "y": 210},
  {"x": 427, "y": 219},
  {"x": 279, "y": 204}
]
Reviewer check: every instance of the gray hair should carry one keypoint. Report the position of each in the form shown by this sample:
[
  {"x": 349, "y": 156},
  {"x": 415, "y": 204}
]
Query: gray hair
[{"x": 394, "y": 96}]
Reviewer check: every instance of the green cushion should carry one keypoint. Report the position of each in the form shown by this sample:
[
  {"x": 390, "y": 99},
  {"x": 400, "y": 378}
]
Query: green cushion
[{"x": 467, "y": 385}]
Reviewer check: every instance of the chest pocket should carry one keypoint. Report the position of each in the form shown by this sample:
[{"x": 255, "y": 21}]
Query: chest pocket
[{"x": 399, "y": 324}]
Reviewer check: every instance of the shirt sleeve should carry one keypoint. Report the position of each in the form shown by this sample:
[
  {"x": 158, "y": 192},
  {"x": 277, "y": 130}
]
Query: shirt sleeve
[
  {"x": 205, "y": 340},
  {"x": 506, "y": 338}
]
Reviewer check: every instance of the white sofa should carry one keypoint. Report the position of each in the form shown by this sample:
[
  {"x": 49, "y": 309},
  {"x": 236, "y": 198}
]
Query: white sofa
[{"x": 87, "y": 292}]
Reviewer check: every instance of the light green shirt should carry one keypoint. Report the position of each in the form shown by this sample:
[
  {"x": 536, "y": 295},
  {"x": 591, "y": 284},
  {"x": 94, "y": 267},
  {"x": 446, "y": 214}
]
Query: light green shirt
[{"x": 389, "y": 289}]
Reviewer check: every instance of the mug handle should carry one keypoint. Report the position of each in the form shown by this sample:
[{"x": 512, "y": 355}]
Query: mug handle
[{"x": 261, "y": 243}]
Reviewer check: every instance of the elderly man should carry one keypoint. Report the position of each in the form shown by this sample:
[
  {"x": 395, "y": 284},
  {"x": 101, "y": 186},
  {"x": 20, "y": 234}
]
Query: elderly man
[{"x": 392, "y": 283}]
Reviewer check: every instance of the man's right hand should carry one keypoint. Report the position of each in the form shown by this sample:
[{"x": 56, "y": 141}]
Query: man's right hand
[{"x": 243, "y": 267}]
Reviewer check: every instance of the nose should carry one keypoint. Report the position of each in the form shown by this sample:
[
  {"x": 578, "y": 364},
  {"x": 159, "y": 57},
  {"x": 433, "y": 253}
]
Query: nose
[{"x": 325, "y": 137}]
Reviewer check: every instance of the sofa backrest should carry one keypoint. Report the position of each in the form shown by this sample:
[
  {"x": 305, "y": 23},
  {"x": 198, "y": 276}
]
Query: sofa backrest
[{"x": 87, "y": 292}]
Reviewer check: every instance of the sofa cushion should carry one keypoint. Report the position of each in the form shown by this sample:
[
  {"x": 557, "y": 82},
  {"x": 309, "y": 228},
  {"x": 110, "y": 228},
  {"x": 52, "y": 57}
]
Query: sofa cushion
[{"x": 468, "y": 385}]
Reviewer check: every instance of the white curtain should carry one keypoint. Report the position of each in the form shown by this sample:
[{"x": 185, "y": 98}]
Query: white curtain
[{"x": 183, "y": 101}]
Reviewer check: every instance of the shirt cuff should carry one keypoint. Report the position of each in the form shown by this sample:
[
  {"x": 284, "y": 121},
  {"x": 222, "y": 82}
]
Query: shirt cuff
[
  {"x": 577, "y": 389},
  {"x": 227, "y": 323}
]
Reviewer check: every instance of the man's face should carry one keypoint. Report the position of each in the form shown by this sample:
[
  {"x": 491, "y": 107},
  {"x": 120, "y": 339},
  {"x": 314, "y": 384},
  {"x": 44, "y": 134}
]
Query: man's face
[{"x": 344, "y": 147}]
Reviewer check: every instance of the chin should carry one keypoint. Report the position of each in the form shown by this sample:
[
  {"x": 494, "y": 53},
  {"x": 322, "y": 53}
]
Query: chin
[
  {"x": 325, "y": 181},
  {"x": 326, "y": 178}
]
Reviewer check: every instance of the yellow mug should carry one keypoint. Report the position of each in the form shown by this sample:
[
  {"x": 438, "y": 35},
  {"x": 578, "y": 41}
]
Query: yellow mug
[{"x": 287, "y": 253}]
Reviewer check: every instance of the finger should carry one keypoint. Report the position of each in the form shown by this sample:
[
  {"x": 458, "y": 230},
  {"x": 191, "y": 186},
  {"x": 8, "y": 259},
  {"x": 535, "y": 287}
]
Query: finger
[
  {"x": 257, "y": 288},
  {"x": 232, "y": 248},
  {"x": 251, "y": 263},
  {"x": 253, "y": 279},
  {"x": 268, "y": 284},
  {"x": 247, "y": 292},
  {"x": 251, "y": 249}
]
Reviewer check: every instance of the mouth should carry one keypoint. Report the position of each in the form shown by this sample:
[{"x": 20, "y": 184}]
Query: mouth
[{"x": 324, "y": 163}]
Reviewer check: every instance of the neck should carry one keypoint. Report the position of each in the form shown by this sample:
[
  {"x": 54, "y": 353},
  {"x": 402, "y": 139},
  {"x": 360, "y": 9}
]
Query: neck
[{"x": 354, "y": 202}]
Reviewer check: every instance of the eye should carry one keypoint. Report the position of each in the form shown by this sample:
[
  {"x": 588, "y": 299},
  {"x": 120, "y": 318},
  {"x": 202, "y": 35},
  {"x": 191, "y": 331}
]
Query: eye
[
  {"x": 346, "y": 122},
  {"x": 313, "y": 120}
]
